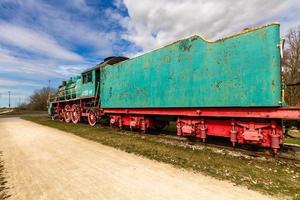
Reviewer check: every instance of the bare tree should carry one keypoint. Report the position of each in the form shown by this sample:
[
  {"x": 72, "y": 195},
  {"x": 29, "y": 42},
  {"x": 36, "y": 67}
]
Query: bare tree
[
  {"x": 291, "y": 67},
  {"x": 38, "y": 101}
]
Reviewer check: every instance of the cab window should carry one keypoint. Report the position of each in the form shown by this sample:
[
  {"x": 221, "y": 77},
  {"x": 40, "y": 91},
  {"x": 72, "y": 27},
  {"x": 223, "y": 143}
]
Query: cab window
[{"x": 87, "y": 77}]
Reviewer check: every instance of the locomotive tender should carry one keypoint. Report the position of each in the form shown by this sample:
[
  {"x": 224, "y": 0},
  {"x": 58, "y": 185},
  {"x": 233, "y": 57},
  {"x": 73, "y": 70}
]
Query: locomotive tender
[{"x": 230, "y": 88}]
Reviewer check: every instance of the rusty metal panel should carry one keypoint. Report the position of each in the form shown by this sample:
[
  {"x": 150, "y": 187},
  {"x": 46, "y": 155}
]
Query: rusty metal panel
[{"x": 238, "y": 71}]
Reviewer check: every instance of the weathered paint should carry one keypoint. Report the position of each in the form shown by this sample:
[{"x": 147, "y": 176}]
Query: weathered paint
[
  {"x": 89, "y": 89},
  {"x": 71, "y": 89},
  {"x": 75, "y": 88},
  {"x": 238, "y": 71}
]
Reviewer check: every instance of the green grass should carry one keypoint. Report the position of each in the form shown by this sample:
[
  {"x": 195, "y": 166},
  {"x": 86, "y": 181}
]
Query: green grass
[
  {"x": 292, "y": 137},
  {"x": 268, "y": 176},
  {"x": 291, "y": 140}
]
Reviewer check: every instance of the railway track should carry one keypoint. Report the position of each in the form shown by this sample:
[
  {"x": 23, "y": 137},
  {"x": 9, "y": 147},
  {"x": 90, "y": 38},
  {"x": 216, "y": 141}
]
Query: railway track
[{"x": 288, "y": 152}]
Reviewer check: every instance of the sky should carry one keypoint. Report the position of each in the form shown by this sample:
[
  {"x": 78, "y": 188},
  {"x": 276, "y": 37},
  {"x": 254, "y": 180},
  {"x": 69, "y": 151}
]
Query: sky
[{"x": 42, "y": 40}]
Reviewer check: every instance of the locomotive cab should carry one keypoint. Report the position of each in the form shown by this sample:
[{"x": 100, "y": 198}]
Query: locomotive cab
[
  {"x": 91, "y": 77},
  {"x": 90, "y": 83}
]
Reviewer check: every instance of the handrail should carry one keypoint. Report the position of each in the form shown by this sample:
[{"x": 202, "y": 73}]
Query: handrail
[{"x": 96, "y": 93}]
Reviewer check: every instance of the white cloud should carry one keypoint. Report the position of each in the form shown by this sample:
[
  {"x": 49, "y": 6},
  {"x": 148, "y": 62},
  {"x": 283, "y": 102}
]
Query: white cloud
[
  {"x": 75, "y": 25},
  {"x": 37, "y": 39},
  {"x": 153, "y": 23},
  {"x": 11, "y": 62},
  {"x": 12, "y": 82},
  {"x": 80, "y": 5},
  {"x": 34, "y": 41},
  {"x": 14, "y": 71},
  {"x": 70, "y": 70}
]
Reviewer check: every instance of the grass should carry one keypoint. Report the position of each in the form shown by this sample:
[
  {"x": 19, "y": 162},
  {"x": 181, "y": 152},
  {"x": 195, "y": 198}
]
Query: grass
[
  {"x": 268, "y": 176},
  {"x": 292, "y": 137},
  {"x": 3, "y": 188},
  {"x": 291, "y": 140}
]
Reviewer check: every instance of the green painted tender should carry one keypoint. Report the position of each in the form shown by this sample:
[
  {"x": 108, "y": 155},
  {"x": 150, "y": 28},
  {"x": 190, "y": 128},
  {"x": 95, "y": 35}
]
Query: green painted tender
[{"x": 238, "y": 71}]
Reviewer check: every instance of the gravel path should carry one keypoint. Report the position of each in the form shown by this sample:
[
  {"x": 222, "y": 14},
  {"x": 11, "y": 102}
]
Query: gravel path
[{"x": 45, "y": 163}]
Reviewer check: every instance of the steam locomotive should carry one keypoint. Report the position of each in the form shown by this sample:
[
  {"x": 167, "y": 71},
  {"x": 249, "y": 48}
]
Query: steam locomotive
[{"x": 230, "y": 88}]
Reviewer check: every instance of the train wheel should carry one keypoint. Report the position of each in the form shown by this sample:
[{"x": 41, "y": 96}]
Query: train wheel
[
  {"x": 75, "y": 114},
  {"x": 92, "y": 118},
  {"x": 67, "y": 114}
]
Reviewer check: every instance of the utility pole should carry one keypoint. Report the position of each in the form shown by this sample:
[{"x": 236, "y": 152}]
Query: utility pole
[
  {"x": 9, "y": 99},
  {"x": 49, "y": 90}
]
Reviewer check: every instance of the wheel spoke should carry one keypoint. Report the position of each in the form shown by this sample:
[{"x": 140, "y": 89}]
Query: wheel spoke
[
  {"x": 92, "y": 118},
  {"x": 75, "y": 115}
]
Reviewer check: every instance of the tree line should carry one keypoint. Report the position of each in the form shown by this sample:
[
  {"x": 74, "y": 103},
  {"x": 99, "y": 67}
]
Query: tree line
[
  {"x": 38, "y": 100},
  {"x": 291, "y": 67}
]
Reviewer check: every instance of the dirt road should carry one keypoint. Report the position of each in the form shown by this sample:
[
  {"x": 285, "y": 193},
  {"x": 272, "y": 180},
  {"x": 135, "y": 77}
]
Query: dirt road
[
  {"x": 4, "y": 111},
  {"x": 45, "y": 163}
]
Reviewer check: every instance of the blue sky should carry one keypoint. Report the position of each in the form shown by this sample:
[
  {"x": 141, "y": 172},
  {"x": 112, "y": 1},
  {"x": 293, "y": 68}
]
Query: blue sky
[{"x": 52, "y": 40}]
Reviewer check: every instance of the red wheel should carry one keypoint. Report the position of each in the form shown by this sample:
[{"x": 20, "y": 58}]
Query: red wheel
[
  {"x": 75, "y": 114},
  {"x": 92, "y": 118},
  {"x": 67, "y": 114}
]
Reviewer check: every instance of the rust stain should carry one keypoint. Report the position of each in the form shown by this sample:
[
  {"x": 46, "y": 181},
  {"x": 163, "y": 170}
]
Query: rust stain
[
  {"x": 194, "y": 37},
  {"x": 185, "y": 45},
  {"x": 218, "y": 84},
  {"x": 146, "y": 63},
  {"x": 171, "y": 75},
  {"x": 273, "y": 86},
  {"x": 166, "y": 59},
  {"x": 110, "y": 92}
]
